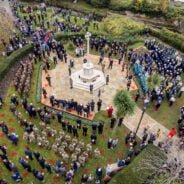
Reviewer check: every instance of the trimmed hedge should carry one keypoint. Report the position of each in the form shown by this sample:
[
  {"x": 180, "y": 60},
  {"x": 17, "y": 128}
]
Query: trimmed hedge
[
  {"x": 174, "y": 39},
  {"x": 126, "y": 38},
  {"x": 101, "y": 3},
  {"x": 39, "y": 85},
  {"x": 67, "y": 36},
  {"x": 141, "y": 167},
  {"x": 8, "y": 62}
]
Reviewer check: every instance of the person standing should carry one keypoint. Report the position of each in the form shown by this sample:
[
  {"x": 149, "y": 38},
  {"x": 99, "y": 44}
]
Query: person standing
[
  {"x": 92, "y": 105},
  {"x": 112, "y": 122},
  {"x": 128, "y": 84},
  {"x": 107, "y": 79},
  {"x": 100, "y": 128},
  {"x": 103, "y": 67},
  {"x": 44, "y": 92},
  {"x": 171, "y": 100},
  {"x": 84, "y": 130},
  {"x": 181, "y": 91},
  {"x": 29, "y": 154},
  {"x": 137, "y": 96},
  {"x": 99, "y": 93},
  {"x": 91, "y": 88},
  {"x": 110, "y": 63},
  {"x": 99, "y": 104},
  {"x": 100, "y": 60},
  {"x": 110, "y": 111},
  {"x": 55, "y": 60},
  {"x": 69, "y": 70},
  {"x": 71, "y": 83},
  {"x": 59, "y": 117},
  {"x": 48, "y": 78}
]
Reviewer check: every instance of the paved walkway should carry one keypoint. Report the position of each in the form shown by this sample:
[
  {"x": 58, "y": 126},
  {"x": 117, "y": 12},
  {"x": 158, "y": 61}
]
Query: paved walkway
[
  {"x": 148, "y": 122},
  {"x": 61, "y": 86}
]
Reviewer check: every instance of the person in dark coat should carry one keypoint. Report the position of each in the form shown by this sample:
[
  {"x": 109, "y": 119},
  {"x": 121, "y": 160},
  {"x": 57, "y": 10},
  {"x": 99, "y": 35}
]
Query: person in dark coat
[
  {"x": 99, "y": 104},
  {"x": 84, "y": 130},
  {"x": 63, "y": 124},
  {"x": 100, "y": 128},
  {"x": 79, "y": 123},
  {"x": 37, "y": 155},
  {"x": 91, "y": 88},
  {"x": 112, "y": 122},
  {"x": 59, "y": 117},
  {"x": 75, "y": 132},
  {"x": 28, "y": 153},
  {"x": 93, "y": 138},
  {"x": 92, "y": 105}
]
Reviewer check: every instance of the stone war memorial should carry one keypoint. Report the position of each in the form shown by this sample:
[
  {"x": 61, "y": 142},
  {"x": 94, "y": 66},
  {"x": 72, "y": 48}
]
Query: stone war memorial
[{"x": 91, "y": 92}]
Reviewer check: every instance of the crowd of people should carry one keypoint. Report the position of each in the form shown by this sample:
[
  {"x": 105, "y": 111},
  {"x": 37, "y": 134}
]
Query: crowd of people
[
  {"x": 66, "y": 144},
  {"x": 68, "y": 148},
  {"x": 72, "y": 105},
  {"x": 15, "y": 174},
  {"x": 15, "y": 42},
  {"x": 167, "y": 63},
  {"x": 22, "y": 80}
]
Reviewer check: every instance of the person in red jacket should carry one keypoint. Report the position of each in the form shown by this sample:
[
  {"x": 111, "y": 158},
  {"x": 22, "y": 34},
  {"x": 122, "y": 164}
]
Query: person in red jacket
[
  {"x": 172, "y": 133},
  {"x": 110, "y": 111}
]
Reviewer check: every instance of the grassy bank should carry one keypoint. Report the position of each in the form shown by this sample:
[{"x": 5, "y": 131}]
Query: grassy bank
[{"x": 145, "y": 164}]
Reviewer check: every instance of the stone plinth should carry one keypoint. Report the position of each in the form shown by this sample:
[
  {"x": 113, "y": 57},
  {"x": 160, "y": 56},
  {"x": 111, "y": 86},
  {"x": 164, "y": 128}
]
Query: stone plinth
[{"x": 88, "y": 75}]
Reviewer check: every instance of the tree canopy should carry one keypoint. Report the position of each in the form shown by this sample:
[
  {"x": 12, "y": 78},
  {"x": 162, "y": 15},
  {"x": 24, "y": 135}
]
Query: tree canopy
[{"x": 124, "y": 103}]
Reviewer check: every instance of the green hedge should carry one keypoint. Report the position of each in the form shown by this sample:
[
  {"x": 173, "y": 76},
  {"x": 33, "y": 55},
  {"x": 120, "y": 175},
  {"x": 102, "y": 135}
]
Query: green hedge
[
  {"x": 101, "y": 3},
  {"x": 173, "y": 39},
  {"x": 39, "y": 85},
  {"x": 8, "y": 62},
  {"x": 66, "y": 36},
  {"x": 141, "y": 167}
]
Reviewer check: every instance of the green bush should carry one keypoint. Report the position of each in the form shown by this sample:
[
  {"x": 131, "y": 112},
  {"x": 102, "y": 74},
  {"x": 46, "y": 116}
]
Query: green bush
[
  {"x": 8, "y": 62},
  {"x": 66, "y": 36},
  {"x": 120, "y": 25},
  {"x": 144, "y": 165},
  {"x": 174, "y": 39},
  {"x": 100, "y": 3}
]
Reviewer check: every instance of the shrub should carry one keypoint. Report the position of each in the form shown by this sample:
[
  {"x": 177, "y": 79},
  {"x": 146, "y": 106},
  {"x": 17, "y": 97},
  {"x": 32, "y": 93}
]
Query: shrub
[
  {"x": 143, "y": 166},
  {"x": 154, "y": 80},
  {"x": 66, "y": 36},
  {"x": 101, "y": 3},
  {"x": 119, "y": 25},
  {"x": 8, "y": 62},
  {"x": 174, "y": 39}
]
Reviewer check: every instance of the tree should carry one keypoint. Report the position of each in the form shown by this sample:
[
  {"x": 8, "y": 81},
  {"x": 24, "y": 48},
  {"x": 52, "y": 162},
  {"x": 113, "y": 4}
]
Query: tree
[
  {"x": 99, "y": 3},
  {"x": 163, "y": 5},
  {"x": 153, "y": 80},
  {"x": 124, "y": 104},
  {"x": 137, "y": 4},
  {"x": 169, "y": 170}
]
